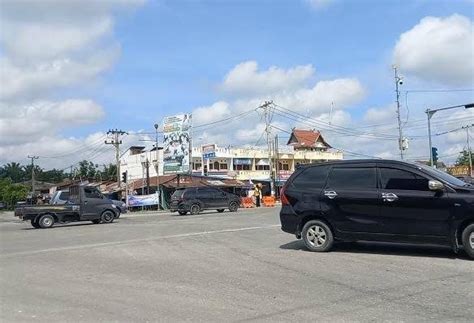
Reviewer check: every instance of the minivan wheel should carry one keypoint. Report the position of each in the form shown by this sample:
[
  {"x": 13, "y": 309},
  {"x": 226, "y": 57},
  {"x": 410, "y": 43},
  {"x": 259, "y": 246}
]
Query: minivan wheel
[
  {"x": 195, "y": 209},
  {"x": 317, "y": 236},
  {"x": 233, "y": 206},
  {"x": 468, "y": 240}
]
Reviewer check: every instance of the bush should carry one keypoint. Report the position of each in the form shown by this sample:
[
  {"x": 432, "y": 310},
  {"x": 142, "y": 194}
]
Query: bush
[{"x": 11, "y": 193}]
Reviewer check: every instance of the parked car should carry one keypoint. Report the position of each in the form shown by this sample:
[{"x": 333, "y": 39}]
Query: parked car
[
  {"x": 86, "y": 204},
  {"x": 62, "y": 197},
  {"x": 378, "y": 200},
  {"x": 197, "y": 199}
]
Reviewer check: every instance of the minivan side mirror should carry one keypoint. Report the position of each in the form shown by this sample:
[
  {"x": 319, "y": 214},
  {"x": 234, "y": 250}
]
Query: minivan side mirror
[{"x": 435, "y": 185}]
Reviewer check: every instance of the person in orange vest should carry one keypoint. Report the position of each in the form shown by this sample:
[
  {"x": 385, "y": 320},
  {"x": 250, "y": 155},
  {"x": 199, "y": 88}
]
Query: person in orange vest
[{"x": 258, "y": 194}]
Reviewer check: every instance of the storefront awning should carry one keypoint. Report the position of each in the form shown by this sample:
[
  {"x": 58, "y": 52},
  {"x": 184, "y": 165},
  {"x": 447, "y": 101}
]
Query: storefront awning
[{"x": 263, "y": 162}]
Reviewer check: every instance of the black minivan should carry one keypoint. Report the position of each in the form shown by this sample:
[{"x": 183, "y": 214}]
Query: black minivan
[
  {"x": 377, "y": 200},
  {"x": 196, "y": 199}
]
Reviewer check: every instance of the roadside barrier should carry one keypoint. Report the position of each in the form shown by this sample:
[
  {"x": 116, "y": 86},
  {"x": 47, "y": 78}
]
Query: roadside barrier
[
  {"x": 247, "y": 202},
  {"x": 268, "y": 201}
]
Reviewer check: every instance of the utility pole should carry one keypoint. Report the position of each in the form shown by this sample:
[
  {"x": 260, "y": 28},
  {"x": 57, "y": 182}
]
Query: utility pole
[
  {"x": 266, "y": 106},
  {"x": 116, "y": 142},
  {"x": 469, "y": 148},
  {"x": 33, "y": 173},
  {"x": 401, "y": 140}
]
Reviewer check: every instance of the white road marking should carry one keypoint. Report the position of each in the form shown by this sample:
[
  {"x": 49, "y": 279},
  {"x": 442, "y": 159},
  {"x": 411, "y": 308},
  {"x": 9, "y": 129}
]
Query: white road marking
[{"x": 114, "y": 243}]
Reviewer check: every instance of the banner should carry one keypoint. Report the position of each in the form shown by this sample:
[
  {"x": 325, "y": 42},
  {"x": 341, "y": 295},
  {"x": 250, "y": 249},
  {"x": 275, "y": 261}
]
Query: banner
[
  {"x": 208, "y": 151},
  {"x": 176, "y": 144},
  {"x": 143, "y": 200}
]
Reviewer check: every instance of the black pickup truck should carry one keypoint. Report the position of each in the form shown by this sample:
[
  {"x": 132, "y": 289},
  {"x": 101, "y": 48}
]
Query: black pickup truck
[{"x": 87, "y": 204}]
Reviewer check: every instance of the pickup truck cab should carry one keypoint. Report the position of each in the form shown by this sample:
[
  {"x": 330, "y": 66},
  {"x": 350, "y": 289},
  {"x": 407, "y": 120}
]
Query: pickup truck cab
[{"x": 86, "y": 204}]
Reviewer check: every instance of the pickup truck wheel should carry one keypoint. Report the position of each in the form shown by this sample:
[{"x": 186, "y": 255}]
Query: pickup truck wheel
[
  {"x": 46, "y": 221},
  {"x": 35, "y": 224},
  {"x": 195, "y": 209},
  {"x": 468, "y": 240},
  {"x": 107, "y": 217},
  {"x": 233, "y": 206},
  {"x": 317, "y": 236}
]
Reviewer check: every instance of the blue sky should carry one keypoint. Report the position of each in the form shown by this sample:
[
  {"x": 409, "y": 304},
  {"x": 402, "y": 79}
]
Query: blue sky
[
  {"x": 138, "y": 61},
  {"x": 175, "y": 52}
]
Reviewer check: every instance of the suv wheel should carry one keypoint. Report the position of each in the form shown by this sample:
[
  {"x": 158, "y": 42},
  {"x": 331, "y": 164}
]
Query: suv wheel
[
  {"x": 468, "y": 240},
  {"x": 107, "y": 217},
  {"x": 317, "y": 236},
  {"x": 233, "y": 206},
  {"x": 35, "y": 224},
  {"x": 195, "y": 209},
  {"x": 46, "y": 221}
]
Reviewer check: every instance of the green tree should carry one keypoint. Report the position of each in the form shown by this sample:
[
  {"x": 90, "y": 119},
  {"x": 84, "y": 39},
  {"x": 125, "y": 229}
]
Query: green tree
[
  {"x": 87, "y": 169},
  {"x": 52, "y": 176},
  {"x": 13, "y": 171},
  {"x": 11, "y": 193},
  {"x": 109, "y": 172},
  {"x": 463, "y": 159},
  {"x": 27, "y": 172}
]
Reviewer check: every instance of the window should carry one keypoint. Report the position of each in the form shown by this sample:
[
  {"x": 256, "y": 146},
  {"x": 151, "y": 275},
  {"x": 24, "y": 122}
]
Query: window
[
  {"x": 92, "y": 193},
  {"x": 397, "y": 179},
  {"x": 242, "y": 167},
  {"x": 262, "y": 167},
  {"x": 216, "y": 165},
  {"x": 223, "y": 166},
  {"x": 283, "y": 166},
  {"x": 190, "y": 193},
  {"x": 352, "y": 178},
  {"x": 197, "y": 166},
  {"x": 312, "y": 177},
  {"x": 205, "y": 193}
]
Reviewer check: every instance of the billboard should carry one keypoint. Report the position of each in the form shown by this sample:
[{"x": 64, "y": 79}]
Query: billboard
[
  {"x": 208, "y": 151},
  {"x": 176, "y": 144},
  {"x": 143, "y": 200}
]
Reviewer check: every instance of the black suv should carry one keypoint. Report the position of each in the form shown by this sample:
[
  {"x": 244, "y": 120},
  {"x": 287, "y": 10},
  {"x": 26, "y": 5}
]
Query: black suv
[
  {"x": 194, "y": 200},
  {"x": 378, "y": 200}
]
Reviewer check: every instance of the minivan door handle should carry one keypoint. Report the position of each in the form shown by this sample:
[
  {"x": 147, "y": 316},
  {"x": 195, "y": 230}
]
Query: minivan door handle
[
  {"x": 389, "y": 197},
  {"x": 330, "y": 194}
]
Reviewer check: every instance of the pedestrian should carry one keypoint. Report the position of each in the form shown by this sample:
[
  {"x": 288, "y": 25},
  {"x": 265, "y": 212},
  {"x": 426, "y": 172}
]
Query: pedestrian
[{"x": 258, "y": 194}]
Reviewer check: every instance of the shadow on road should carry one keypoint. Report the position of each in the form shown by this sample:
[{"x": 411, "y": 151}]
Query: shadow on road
[
  {"x": 67, "y": 225},
  {"x": 386, "y": 249}
]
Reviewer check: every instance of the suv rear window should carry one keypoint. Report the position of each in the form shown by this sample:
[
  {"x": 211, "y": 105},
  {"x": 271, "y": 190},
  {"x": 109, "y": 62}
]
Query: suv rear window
[{"x": 352, "y": 178}]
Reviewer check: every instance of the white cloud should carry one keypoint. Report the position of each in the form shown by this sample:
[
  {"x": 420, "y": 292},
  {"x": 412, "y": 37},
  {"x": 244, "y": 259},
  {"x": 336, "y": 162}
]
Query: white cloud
[
  {"x": 438, "y": 49},
  {"x": 46, "y": 46},
  {"x": 380, "y": 115},
  {"x": 23, "y": 124},
  {"x": 246, "y": 80},
  {"x": 216, "y": 111}
]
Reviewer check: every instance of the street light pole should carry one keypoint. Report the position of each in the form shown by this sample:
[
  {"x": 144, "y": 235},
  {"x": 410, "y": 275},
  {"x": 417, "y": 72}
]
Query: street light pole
[
  {"x": 431, "y": 112},
  {"x": 157, "y": 166}
]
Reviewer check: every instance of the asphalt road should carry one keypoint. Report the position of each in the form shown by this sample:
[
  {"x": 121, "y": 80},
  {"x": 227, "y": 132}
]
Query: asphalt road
[{"x": 220, "y": 267}]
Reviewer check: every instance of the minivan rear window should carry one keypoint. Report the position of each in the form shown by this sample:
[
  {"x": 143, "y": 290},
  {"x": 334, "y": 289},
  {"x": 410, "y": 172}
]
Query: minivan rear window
[
  {"x": 352, "y": 178},
  {"x": 311, "y": 178}
]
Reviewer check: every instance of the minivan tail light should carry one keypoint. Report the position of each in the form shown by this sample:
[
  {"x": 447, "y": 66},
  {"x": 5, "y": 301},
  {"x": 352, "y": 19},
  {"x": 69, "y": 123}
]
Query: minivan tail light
[{"x": 283, "y": 198}]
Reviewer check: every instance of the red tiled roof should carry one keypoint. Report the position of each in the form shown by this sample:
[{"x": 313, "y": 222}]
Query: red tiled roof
[{"x": 306, "y": 139}]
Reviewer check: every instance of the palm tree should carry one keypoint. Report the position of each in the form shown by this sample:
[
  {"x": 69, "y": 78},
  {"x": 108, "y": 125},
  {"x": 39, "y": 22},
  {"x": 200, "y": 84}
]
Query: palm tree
[{"x": 14, "y": 171}]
